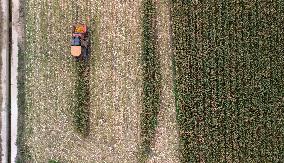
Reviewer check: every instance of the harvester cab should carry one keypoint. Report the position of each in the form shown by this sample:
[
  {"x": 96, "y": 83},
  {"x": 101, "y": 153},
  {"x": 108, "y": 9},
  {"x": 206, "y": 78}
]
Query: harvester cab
[{"x": 80, "y": 42}]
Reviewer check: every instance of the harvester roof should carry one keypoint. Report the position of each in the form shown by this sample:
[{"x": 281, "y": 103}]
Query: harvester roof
[{"x": 76, "y": 51}]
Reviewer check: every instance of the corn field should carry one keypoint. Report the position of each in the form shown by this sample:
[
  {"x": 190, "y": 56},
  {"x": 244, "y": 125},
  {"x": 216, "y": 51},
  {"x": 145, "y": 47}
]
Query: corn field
[
  {"x": 229, "y": 87},
  {"x": 166, "y": 81}
]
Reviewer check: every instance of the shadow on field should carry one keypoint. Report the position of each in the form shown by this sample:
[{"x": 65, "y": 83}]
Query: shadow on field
[
  {"x": 82, "y": 95},
  {"x": 151, "y": 80}
]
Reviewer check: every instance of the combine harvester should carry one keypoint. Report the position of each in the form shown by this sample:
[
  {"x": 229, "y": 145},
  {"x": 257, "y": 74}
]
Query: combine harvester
[{"x": 80, "y": 42}]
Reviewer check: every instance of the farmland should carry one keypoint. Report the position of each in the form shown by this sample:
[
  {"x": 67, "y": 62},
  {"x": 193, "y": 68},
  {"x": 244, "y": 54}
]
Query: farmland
[
  {"x": 51, "y": 79},
  {"x": 167, "y": 81},
  {"x": 229, "y": 80}
]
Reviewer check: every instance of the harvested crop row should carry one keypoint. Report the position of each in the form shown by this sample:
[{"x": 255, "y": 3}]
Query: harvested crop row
[
  {"x": 47, "y": 85},
  {"x": 115, "y": 86}
]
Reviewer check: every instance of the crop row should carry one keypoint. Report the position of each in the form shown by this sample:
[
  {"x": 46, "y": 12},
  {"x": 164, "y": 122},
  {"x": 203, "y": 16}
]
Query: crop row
[
  {"x": 81, "y": 109},
  {"x": 151, "y": 78},
  {"x": 228, "y": 80}
]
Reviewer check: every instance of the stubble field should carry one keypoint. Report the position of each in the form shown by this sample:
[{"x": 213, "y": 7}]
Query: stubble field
[{"x": 115, "y": 84}]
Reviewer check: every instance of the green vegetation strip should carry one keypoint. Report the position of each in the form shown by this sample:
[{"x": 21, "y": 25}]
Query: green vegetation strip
[
  {"x": 151, "y": 79},
  {"x": 181, "y": 43},
  {"x": 23, "y": 56},
  {"x": 81, "y": 110},
  {"x": 229, "y": 80}
]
